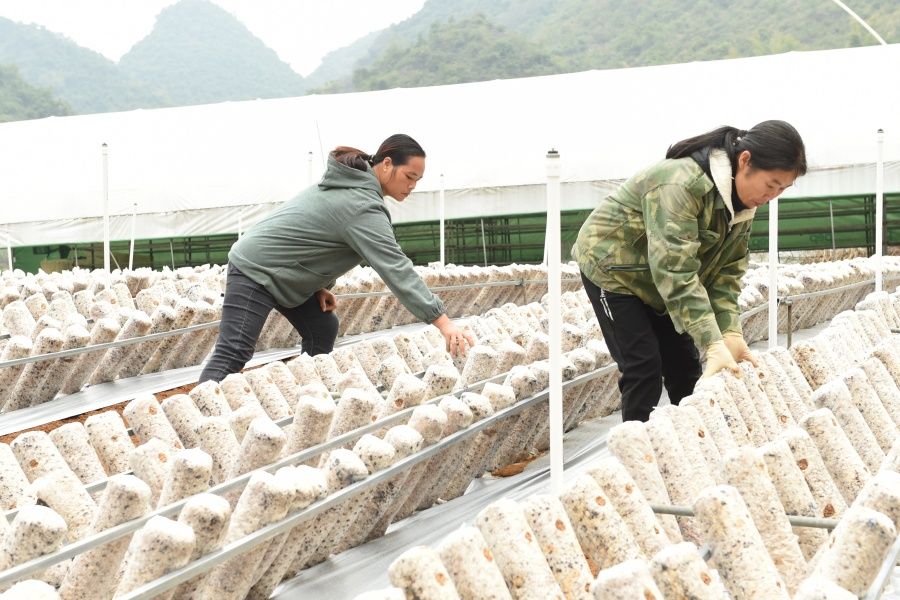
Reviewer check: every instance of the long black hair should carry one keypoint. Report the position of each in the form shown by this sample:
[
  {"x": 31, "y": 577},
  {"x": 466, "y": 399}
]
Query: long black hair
[
  {"x": 398, "y": 147},
  {"x": 773, "y": 145}
]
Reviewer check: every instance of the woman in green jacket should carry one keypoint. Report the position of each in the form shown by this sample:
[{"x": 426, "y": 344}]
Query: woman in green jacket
[
  {"x": 289, "y": 260},
  {"x": 662, "y": 257}
]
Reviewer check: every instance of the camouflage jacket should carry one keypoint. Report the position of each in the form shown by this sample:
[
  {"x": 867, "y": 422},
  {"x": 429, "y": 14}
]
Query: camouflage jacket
[{"x": 669, "y": 236}]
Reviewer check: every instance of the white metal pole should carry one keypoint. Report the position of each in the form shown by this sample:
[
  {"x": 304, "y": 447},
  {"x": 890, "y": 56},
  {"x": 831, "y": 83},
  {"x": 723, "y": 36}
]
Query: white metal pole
[
  {"x": 879, "y": 213},
  {"x": 309, "y": 168},
  {"x": 240, "y": 224},
  {"x": 441, "y": 208},
  {"x": 9, "y": 255},
  {"x": 483, "y": 242},
  {"x": 546, "y": 236},
  {"x": 831, "y": 215},
  {"x": 554, "y": 290},
  {"x": 131, "y": 246},
  {"x": 773, "y": 273},
  {"x": 106, "y": 252}
]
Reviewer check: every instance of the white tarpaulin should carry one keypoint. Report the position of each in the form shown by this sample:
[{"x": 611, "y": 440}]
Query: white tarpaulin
[{"x": 200, "y": 169}]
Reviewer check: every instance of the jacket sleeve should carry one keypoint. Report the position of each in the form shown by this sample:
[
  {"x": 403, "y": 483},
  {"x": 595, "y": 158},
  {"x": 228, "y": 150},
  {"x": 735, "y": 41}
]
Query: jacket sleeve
[
  {"x": 726, "y": 285},
  {"x": 670, "y": 217},
  {"x": 371, "y": 236}
]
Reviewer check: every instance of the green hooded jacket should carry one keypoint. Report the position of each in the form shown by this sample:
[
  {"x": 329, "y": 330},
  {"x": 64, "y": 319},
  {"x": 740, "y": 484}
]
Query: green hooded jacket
[
  {"x": 322, "y": 233},
  {"x": 669, "y": 236}
]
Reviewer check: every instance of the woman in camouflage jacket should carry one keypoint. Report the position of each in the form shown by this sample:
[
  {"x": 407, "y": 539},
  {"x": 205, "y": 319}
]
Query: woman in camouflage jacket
[{"x": 662, "y": 257}]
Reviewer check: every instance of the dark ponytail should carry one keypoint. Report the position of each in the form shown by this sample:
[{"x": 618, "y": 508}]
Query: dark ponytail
[
  {"x": 773, "y": 145},
  {"x": 399, "y": 148},
  {"x": 352, "y": 157}
]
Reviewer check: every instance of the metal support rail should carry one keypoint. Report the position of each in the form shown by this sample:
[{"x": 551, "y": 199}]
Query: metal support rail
[
  {"x": 219, "y": 556},
  {"x": 789, "y": 300},
  {"x": 796, "y": 520},
  {"x": 789, "y": 303},
  {"x": 875, "y": 589},
  {"x": 312, "y": 451},
  {"x": 107, "y": 345},
  {"x": 752, "y": 311},
  {"x": 794, "y": 297},
  {"x": 21, "y": 424},
  {"x": 461, "y": 286},
  {"x": 217, "y": 322},
  {"x": 843, "y": 288},
  {"x": 884, "y": 573},
  {"x": 516, "y": 282}
]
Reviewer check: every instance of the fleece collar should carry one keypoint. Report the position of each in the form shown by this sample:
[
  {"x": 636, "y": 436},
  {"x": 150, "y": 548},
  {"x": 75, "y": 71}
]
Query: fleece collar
[{"x": 720, "y": 168}]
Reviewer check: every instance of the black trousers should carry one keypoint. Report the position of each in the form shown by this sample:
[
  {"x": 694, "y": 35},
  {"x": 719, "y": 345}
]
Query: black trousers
[
  {"x": 246, "y": 307},
  {"x": 647, "y": 349}
]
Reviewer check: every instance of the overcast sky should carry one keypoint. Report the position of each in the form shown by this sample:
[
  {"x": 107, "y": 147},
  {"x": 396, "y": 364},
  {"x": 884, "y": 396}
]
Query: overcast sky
[{"x": 300, "y": 31}]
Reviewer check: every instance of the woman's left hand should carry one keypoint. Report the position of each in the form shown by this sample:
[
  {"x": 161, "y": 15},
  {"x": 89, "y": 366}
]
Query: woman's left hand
[{"x": 327, "y": 300}]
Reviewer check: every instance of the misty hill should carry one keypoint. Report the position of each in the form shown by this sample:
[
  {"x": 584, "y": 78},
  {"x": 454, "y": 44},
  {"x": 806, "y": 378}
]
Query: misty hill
[
  {"x": 198, "y": 53},
  {"x": 491, "y": 52},
  {"x": 579, "y": 35},
  {"x": 20, "y": 101},
  {"x": 82, "y": 78}
]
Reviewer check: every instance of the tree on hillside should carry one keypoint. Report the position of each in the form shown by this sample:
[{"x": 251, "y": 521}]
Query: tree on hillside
[
  {"x": 578, "y": 35},
  {"x": 20, "y": 101},
  {"x": 457, "y": 51},
  {"x": 86, "y": 80}
]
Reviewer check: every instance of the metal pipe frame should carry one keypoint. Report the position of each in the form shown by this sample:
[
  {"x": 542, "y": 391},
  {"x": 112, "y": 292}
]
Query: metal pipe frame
[
  {"x": 312, "y": 451},
  {"x": 795, "y": 520},
  {"x": 884, "y": 573},
  {"x": 164, "y": 334},
  {"x": 516, "y": 282},
  {"x": 107, "y": 345},
  {"x": 212, "y": 559}
]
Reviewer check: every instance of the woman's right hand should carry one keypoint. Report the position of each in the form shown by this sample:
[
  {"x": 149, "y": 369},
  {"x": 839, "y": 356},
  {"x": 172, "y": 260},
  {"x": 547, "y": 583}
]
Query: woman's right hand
[
  {"x": 718, "y": 358},
  {"x": 456, "y": 338}
]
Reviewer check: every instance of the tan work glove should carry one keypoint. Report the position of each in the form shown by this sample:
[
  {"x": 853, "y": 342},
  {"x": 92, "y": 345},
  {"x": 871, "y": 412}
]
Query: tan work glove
[
  {"x": 735, "y": 343},
  {"x": 717, "y": 358}
]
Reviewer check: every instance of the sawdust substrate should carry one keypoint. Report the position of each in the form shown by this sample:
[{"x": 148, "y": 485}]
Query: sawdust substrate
[{"x": 48, "y": 427}]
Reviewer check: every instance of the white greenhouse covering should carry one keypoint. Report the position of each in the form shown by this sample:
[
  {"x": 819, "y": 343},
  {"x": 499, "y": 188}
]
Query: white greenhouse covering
[{"x": 203, "y": 169}]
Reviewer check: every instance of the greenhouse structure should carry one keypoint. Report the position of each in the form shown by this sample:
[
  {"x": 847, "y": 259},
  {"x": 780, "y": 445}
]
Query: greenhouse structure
[{"x": 484, "y": 453}]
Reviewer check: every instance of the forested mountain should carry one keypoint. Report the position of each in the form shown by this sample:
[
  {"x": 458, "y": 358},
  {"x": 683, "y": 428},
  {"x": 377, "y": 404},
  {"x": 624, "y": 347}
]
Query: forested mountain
[
  {"x": 578, "y": 35},
  {"x": 490, "y": 52},
  {"x": 82, "y": 78},
  {"x": 20, "y": 101},
  {"x": 199, "y": 53},
  {"x": 196, "y": 53}
]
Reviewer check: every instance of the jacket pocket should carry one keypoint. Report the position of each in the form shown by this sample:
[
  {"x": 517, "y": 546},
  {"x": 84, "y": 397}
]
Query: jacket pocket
[
  {"x": 299, "y": 267},
  {"x": 636, "y": 267},
  {"x": 708, "y": 236}
]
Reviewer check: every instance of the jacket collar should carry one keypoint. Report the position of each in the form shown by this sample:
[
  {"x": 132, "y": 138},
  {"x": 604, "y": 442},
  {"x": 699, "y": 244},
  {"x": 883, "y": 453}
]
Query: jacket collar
[
  {"x": 339, "y": 175},
  {"x": 720, "y": 168}
]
